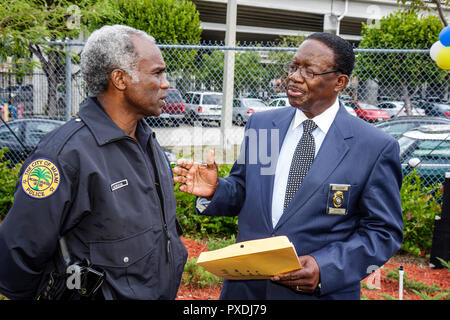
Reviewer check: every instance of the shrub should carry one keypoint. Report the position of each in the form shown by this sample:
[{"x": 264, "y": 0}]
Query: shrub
[
  {"x": 197, "y": 276},
  {"x": 203, "y": 226},
  {"x": 419, "y": 205},
  {"x": 219, "y": 243},
  {"x": 8, "y": 179}
]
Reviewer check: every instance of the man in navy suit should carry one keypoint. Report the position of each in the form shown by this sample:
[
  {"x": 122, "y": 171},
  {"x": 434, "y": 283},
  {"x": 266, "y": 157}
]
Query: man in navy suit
[{"x": 345, "y": 218}]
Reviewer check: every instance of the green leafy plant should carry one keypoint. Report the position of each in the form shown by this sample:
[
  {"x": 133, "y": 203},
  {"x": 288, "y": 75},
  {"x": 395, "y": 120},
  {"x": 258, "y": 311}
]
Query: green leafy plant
[
  {"x": 8, "y": 179},
  {"x": 439, "y": 296},
  {"x": 400, "y": 30},
  {"x": 387, "y": 296},
  {"x": 444, "y": 263},
  {"x": 419, "y": 205},
  {"x": 421, "y": 289},
  {"x": 219, "y": 243},
  {"x": 197, "y": 276},
  {"x": 199, "y": 225}
]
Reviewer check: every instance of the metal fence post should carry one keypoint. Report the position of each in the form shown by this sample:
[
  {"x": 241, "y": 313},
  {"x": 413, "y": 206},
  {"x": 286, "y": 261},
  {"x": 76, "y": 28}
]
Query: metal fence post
[
  {"x": 68, "y": 82},
  {"x": 228, "y": 75}
]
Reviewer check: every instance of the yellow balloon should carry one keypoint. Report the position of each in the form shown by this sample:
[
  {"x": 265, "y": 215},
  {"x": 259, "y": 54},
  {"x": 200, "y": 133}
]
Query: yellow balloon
[{"x": 443, "y": 58}]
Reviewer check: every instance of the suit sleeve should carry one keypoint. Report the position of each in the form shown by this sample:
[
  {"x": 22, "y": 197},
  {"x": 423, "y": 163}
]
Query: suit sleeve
[
  {"x": 29, "y": 234},
  {"x": 230, "y": 193},
  {"x": 379, "y": 233}
]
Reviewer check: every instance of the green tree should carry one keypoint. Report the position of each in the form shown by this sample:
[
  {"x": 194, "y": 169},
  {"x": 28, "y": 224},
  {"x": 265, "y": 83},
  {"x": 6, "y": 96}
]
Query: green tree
[
  {"x": 250, "y": 74},
  {"x": 168, "y": 21},
  {"x": 172, "y": 21},
  {"x": 414, "y": 6},
  {"x": 27, "y": 26},
  {"x": 400, "y": 30}
]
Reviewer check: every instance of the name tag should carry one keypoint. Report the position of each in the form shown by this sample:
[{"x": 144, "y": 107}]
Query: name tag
[
  {"x": 119, "y": 184},
  {"x": 338, "y": 195}
]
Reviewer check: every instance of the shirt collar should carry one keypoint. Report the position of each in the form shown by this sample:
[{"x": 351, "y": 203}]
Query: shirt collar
[
  {"x": 323, "y": 120},
  {"x": 103, "y": 128}
]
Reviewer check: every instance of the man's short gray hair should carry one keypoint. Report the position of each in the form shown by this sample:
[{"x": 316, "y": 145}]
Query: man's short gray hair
[{"x": 106, "y": 49}]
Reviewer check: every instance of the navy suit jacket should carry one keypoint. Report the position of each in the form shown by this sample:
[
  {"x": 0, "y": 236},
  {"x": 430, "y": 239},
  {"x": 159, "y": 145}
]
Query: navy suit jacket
[{"x": 347, "y": 247}]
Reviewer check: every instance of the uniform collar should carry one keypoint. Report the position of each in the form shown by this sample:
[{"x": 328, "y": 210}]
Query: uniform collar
[{"x": 103, "y": 128}]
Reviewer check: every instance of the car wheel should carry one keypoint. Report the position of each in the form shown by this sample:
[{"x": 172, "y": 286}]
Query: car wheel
[
  {"x": 192, "y": 118},
  {"x": 175, "y": 122}
]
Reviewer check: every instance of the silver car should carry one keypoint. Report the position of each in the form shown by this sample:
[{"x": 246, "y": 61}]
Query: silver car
[
  {"x": 243, "y": 108},
  {"x": 280, "y": 102},
  {"x": 204, "y": 106},
  {"x": 397, "y": 109}
]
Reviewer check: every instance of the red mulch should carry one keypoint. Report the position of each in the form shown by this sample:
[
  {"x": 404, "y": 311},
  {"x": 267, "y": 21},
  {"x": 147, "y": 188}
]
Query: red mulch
[{"x": 420, "y": 272}]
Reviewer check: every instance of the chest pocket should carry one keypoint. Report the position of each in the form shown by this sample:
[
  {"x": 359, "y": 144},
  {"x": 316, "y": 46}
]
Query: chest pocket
[{"x": 128, "y": 262}]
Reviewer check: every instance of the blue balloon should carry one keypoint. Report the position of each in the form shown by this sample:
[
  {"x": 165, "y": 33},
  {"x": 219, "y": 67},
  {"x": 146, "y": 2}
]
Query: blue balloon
[{"x": 444, "y": 36}]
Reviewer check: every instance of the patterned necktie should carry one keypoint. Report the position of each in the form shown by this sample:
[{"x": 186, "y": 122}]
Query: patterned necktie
[{"x": 301, "y": 161}]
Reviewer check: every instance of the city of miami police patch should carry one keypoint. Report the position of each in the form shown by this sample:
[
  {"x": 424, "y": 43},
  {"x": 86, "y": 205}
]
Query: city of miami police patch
[{"x": 41, "y": 178}]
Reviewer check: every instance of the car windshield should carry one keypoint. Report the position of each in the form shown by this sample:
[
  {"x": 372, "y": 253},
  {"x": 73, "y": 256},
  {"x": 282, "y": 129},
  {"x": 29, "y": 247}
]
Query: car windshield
[
  {"x": 212, "y": 99},
  {"x": 364, "y": 105},
  {"x": 405, "y": 143},
  {"x": 443, "y": 107},
  {"x": 36, "y": 130},
  {"x": 424, "y": 149},
  {"x": 173, "y": 96},
  {"x": 254, "y": 103},
  {"x": 398, "y": 129}
]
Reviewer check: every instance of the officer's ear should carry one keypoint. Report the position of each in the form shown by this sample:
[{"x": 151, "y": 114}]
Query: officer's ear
[{"x": 119, "y": 79}]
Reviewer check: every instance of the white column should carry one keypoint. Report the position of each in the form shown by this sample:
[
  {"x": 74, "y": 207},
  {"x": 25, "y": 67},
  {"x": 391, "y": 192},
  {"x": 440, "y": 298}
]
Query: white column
[{"x": 228, "y": 74}]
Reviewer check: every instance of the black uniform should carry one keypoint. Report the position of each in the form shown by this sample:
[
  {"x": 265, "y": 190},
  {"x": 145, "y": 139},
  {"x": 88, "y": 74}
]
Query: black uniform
[{"x": 91, "y": 183}]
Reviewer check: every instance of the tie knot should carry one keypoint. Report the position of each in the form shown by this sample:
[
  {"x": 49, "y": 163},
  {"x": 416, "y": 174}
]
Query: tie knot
[{"x": 308, "y": 126}]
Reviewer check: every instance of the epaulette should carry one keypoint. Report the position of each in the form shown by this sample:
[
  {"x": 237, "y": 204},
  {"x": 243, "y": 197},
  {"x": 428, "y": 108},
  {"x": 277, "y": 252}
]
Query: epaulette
[{"x": 56, "y": 140}]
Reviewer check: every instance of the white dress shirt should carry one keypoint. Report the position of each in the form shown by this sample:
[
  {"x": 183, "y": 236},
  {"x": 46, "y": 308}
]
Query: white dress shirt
[{"x": 293, "y": 135}]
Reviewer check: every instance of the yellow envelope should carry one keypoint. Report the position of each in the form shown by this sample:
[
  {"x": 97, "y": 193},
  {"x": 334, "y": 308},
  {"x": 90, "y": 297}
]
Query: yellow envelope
[{"x": 254, "y": 259}]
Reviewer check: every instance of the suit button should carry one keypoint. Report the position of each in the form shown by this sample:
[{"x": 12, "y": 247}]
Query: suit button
[{"x": 126, "y": 259}]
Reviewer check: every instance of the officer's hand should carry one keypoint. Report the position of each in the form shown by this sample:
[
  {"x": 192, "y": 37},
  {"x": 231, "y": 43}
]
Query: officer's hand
[
  {"x": 303, "y": 280},
  {"x": 196, "y": 178}
]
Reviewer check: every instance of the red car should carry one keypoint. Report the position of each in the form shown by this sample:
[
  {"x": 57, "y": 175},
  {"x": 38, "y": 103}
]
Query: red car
[
  {"x": 367, "y": 111},
  {"x": 172, "y": 111}
]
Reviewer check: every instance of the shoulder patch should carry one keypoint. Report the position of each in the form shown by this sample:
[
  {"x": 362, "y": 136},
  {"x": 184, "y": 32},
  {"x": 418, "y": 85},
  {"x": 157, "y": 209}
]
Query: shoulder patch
[{"x": 41, "y": 178}]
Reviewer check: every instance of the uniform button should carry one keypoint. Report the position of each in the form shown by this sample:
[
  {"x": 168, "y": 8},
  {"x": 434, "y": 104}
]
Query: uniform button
[
  {"x": 77, "y": 119},
  {"x": 126, "y": 259}
]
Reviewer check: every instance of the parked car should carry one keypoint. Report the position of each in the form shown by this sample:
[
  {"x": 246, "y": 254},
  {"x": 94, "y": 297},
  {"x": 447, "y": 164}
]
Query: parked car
[
  {"x": 367, "y": 111},
  {"x": 383, "y": 98},
  {"x": 434, "y": 108},
  {"x": 397, "y": 126},
  {"x": 398, "y": 109},
  {"x": 427, "y": 149},
  {"x": 173, "y": 111},
  {"x": 243, "y": 108},
  {"x": 280, "y": 102},
  {"x": 345, "y": 97},
  {"x": 27, "y": 134},
  {"x": 204, "y": 106}
]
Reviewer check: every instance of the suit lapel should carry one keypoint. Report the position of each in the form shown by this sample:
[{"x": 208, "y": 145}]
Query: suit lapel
[
  {"x": 333, "y": 150},
  {"x": 281, "y": 124}
]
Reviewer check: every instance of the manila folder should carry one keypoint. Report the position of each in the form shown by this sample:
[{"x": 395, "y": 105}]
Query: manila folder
[{"x": 254, "y": 259}]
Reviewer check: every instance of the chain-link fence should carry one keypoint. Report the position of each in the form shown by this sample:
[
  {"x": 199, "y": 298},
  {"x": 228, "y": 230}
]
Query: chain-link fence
[{"x": 397, "y": 90}]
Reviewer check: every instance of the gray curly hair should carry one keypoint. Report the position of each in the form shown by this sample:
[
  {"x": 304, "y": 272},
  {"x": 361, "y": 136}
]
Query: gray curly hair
[{"x": 106, "y": 49}]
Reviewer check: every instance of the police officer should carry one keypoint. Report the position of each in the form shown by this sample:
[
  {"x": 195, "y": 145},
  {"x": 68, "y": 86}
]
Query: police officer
[{"x": 102, "y": 183}]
